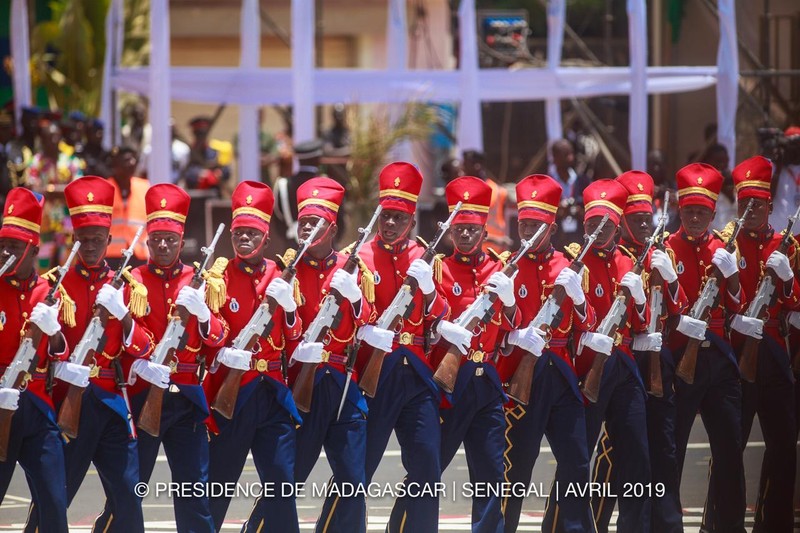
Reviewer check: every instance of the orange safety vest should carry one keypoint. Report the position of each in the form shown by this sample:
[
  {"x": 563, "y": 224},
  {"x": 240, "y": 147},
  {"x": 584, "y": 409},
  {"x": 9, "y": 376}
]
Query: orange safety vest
[
  {"x": 126, "y": 219},
  {"x": 497, "y": 234}
]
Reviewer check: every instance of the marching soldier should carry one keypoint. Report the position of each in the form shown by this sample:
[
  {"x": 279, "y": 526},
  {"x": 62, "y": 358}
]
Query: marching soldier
[
  {"x": 344, "y": 434},
  {"x": 265, "y": 415},
  {"x": 476, "y": 415},
  {"x": 621, "y": 398},
  {"x": 555, "y": 407},
  {"x": 407, "y": 398},
  {"x": 772, "y": 394},
  {"x": 34, "y": 439},
  {"x": 184, "y": 409},
  {"x": 635, "y": 229},
  {"x": 105, "y": 434},
  {"x": 715, "y": 391}
]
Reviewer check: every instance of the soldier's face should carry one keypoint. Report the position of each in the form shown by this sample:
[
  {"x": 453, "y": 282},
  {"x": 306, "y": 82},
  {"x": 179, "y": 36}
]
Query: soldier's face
[
  {"x": 246, "y": 240},
  {"x": 527, "y": 228},
  {"x": 695, "y": 219},
  {"x": 323, "y": 241},
  {"x": 164, "y": 247},
  {"x": 17, "y": 248},
  {"x": 637, "y": 225},
  {"x": 758, "y": 217},
  {"x": 467, "y": 237},
  {"x": 94, "y": 242},
  {"x": 606, "y": 235},
  {"x": 394, "y": 225}
]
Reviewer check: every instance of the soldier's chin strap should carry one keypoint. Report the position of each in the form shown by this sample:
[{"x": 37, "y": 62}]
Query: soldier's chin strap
[
  {"x": 403, "y": 235},
  {"x": 13, "y": 271},
  {"x": 475, "y": 246},
  {"x": 256, "y": 250},
  {"x": 634, "y": 240},
  {"x": 543, "y": 239}
]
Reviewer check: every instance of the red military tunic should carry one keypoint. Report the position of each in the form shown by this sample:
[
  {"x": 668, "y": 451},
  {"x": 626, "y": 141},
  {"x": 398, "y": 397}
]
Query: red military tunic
[
  {"x": 533, "y": 284},
  {"x": 675, "y": 303},
  {"x": 693, "y": 264},
  {"x": 314, "y": 277},
  {"x": 246, "y": 288},
  {"x": 606, "y": 270},
  {"x": 82, "y": 284},
  {"x": 389, "y": 264},
  {"x": 163, "y": 286},
  {"x": 17, "y": 300}
]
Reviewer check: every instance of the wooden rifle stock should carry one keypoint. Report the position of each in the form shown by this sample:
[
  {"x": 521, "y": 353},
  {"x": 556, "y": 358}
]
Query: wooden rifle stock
[
  {"x": 688, "y": 363},
  {"x": 655, "y": 384}
]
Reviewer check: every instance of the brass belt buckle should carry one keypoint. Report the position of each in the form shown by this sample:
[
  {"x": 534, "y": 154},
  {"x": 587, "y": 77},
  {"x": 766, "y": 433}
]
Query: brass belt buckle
[
  {"x": 173, "y": 366},
  {"x": 477, "y": 356},
  {"x": 94, "y": 371},
  {"x": 406, "y": 339},
  {"x": 326, "y": 355},
  {"x": 618, "y": 338},
  {"x": 261, "y": 365}
]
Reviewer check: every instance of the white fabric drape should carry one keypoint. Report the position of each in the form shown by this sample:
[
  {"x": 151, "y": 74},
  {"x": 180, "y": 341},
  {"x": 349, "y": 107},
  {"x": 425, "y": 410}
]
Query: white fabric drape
[
  {"x": 728, "y": 77},
  {"x": 303, "y": 79},
  {"x": 470, "y": 129},
  {"x": 397, "y": 36},
  {"x": 159, "y": 164},
  {"x": 21, "y": 54},
  {"x": 113, "y": 53},
  {"x": 637, "y": 115},
  {"x": 249, "y": 152},
  {"x": 556, "y": 12}
]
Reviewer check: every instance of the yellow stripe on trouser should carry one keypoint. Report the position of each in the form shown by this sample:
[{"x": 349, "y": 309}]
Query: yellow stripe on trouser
[{"x": 606, "y": 450}]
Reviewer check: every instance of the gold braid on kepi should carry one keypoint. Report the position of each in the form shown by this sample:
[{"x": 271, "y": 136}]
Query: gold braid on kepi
[
  {"x": 67, "y": 304},
  {"x": 216, "y": 291},
  {"x": 137, "y": 303}
]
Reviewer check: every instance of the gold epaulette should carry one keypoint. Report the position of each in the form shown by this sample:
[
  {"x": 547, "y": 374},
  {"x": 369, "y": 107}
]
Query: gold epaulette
[
  {"x": 137, "y": 303},
  {"x": 67, "y": 304},
  {"x": 437, "y": 267},
  {"x": 504, "y": 257},
  {"x": 422, "y": 242},
  {"x": 367, "y": 281},
  {"x": 793, "y": 252},
  {"x": 573, "y": 250},
  {"x": 215, "y": 284},
  {"x": 492, "y": 253},
  {"x": 629, "y": 253},
  {"x": 725, "y": 233},
  {"x": 285, "y": 260},
  {"x": 349, "y": 248}
]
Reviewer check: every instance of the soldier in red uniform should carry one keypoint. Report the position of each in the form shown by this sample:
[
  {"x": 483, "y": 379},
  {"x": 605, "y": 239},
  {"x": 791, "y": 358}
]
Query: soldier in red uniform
[
  {"x": 636, "y": 228},
  {"x": 35, "y": 440},
  {"x": 476, "y": 415},
  {"x": 621, "y": 402},
  {"x": 319, "y": 271},
  {"x": 716, "y": 391},
  {"x": 772, "y": 395},
  {"x": 555, "y": 407},
  {"x": 407, "y": 398},
  {"x": 265, "y": 415},
  {"x": 105, "y": 436}
]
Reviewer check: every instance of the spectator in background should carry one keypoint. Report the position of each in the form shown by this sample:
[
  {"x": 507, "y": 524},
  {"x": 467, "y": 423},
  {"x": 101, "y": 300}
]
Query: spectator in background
[
  {"x": 93, "y": 153},
  {"x": 14, "y": 158},
  {"x": 717, "y": 156},
  {"x": 180, "y": 153},
  {"x": 51, "y": 166},
  {"x": 30, "y": 128},
  {"x": 663, "y": 183},
  {"x": 209, "y": 161},
  {"x": 569, "y": 216},
  {"x": 787, "y": 167},
  {"x": 129, "y": 212}
]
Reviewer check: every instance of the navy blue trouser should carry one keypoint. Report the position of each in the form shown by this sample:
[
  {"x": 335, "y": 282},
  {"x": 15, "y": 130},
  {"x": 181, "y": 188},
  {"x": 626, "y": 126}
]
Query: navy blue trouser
[
  {"x": 556, "y": 411},
  {"x": 261, "y": 425},
  {"x": 36, "y": 444},
  {"x": 717, "y": 394},
  {"x": 477, "y": 420},
  {"x": 405, "y": 404},
  {"x": 345, "y": 444},
  {"x": 667, "y": 516}
]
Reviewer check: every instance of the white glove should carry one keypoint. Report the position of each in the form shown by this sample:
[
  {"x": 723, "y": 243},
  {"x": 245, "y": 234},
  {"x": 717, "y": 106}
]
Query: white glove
[
  {"x": 423, "y": 273},
  {"x": 194, "y": 300},
  {"x": 692, "y": 328},
  {"x": 529, "y": 339},
  {"x": 647, "y": 342},
  {"x": 635, "y": 285},
  {"x": 780, "y": 264},
  {"x": 794, "y": 319},
  {"x": 597, "y": 342},
  {"x": 459, "y": 337},
  {"x": 725, "y": 262},
  {"x": 503, "y": 287},
  {"x": 376, "y": 337},
  {"x": 155, "y": 374},
  {"x": 72, "y": 373},
  {"x": 283, "y": 293},
  {"x": 308, "y": 352},
  {"x": 233, "y": 358},
  {"x": 661, "y": 262},
  {"x": 752, "y": 327},
  {"x": 113, "y": 300},
  {"x": 9, "y": 399},
  {"x": 571, "y": 281},
  {"x": 347, "y": 285},
  {"x": 46, "y": 318}
]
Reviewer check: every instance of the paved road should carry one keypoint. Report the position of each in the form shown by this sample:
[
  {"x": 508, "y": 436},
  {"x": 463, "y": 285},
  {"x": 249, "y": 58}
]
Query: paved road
[{"x": 454, "y": 510}]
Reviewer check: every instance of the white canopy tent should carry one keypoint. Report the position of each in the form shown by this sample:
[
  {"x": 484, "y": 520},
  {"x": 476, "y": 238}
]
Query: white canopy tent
[{"x": 303, "y": 86}]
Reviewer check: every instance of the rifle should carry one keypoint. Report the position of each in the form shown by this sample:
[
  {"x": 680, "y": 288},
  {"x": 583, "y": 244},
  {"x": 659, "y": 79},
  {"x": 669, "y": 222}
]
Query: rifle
[
  {"x": 171, "y": 343},
  {"x": 25, "y": 360},
  {"x": 709, "y": 299},
  {"x": 479, "y": 312},
  {"x": 92, "y": 342},
  {"x": 608, "y": 327},
  {"x": 764, "y": 299},
  {"x": 547, "y": 319},
  {"x": 259, "y": 326},
  {"x": 401, "y": 307},
  {"x": 122, "y": 385},
  {"x": 655, "y": 386},
  {"x": 303, "y": 389}
]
